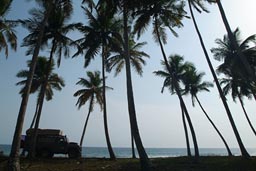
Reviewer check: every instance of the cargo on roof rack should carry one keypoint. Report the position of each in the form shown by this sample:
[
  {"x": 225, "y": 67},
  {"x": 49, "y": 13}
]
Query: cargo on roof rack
[{"x": 45, "y": 132}]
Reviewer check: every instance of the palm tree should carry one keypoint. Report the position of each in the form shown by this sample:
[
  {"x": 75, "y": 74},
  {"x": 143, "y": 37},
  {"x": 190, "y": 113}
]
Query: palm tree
[
  {"x": 232, "y": 65},
  {"x": 47, "y": 7},
  {"x": 234, "y": 44},
  {"x": 91, "y": 92},
  {"x": 7, "y": 34},
  {"x": 98, "y": 36},
  {"x": 172, "y": 79},
  {"x": 238, "y": 89},
  {"x": 236, "y": 79},
  {"x": 13, "y": 162},
  {"x": 193, "y": 85},
  {"x": 126, "y": 8},
  {"x": 165, "y": 14},
  {"x": 56, "y": 31},
  {"x": 199, "y": 5},
  {"x": 117, "y": 62}
]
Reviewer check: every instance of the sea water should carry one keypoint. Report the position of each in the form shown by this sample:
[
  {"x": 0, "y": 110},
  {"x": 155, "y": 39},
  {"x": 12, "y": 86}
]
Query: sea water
[{"x": 102, "y": 152}]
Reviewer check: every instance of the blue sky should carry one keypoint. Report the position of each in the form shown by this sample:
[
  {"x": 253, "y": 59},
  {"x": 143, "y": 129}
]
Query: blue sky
[{"x": 159, "y": 115}]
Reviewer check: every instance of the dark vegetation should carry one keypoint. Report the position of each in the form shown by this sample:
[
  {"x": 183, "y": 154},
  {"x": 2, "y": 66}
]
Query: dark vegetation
[{"x": 213, "y": 163}]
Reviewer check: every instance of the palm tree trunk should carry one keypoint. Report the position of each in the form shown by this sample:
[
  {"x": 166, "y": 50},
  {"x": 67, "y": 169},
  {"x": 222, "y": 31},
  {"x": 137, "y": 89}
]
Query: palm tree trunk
[
  {"x": 35, "y": 115},
  {"x": 110, "y": 149},
  {"x": 186, "y": 132},
  {"x": 13, "y": 162},
  {"x": 133, "y": 149},
  {"x": 32, "y": 150},
  {"x": 190, "y": 125},
  {"x": 246, "y": 115},
  {"x": 216, "y": 129},
  {"x": 86, "y": 122},
  {"x": 231, "y": 120},
  {"x": 178, "y": 93},
  {"x": 234, "y": 42},
  {"x": 144, "y": 160}
]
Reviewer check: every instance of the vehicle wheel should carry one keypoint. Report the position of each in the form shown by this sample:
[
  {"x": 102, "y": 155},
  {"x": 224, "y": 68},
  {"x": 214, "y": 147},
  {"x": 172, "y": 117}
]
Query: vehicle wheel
[
  {"x": 74, "y": 153},
  {"x": 44, "y": 153}
]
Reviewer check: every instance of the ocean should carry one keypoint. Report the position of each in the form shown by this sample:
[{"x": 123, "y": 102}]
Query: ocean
[{"x": 102, "y": 152}]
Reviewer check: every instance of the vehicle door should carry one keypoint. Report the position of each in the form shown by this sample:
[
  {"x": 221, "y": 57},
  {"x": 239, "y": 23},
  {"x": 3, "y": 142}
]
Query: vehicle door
[{"x": 60, "y": 145}]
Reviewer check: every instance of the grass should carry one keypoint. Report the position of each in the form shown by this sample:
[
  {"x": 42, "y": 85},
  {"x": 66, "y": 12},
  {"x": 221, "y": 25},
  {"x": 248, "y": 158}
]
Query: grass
[{"x": 215, "y": 163}]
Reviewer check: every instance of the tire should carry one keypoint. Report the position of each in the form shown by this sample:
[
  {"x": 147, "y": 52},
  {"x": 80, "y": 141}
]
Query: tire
[{"x": 74, "y": 153}]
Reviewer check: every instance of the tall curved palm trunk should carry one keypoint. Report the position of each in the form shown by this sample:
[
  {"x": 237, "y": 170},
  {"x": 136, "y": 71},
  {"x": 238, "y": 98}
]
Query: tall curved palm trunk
[
  {"x": 178, "y": 93},
  {"x": 34, "y": 117},
  {"x": 133, "y": 148},
  {"x": 246, "y": 115},
  {"x": 32, "y": 150},
  {"x": 144, "y": 160},
  {"x": 231, "y": 120},
  {"x": 110, "y": 149},
  {"x": 186, "y": 132},
  {"x": 86, "y": 122},
  {"x": 234, "y": 42},
  {"x": 214, "y": 126},
  {"x": 13, "y": 162}
]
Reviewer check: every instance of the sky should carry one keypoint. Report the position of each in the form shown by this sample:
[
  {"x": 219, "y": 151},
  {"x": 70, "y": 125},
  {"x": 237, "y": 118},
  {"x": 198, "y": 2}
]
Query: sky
[{"x": 159, "y": 115}]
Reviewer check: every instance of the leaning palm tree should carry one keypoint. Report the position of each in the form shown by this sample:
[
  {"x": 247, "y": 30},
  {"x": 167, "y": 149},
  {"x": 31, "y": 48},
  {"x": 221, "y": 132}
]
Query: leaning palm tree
[
  {"x": 7, "y": 33},
  {"x": 46, "y": 8},
  {"x": 236, "y": 78},
  {"x": 98, "y": 35},
  {"x": 238, "y": 89},
  {"x": 199, "y": 6},
  {"x": 92, "y": 93},
  {"x": 117, "y": 62},
  {"x": 55, "y": 32},
  {"x": 126, "y": 8},
  {"x": 165, "y": 13},
  {"x": 193, "y": 85},
  {"x": 186, "y": 131},
  {"x": 172, "y": 80}
]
